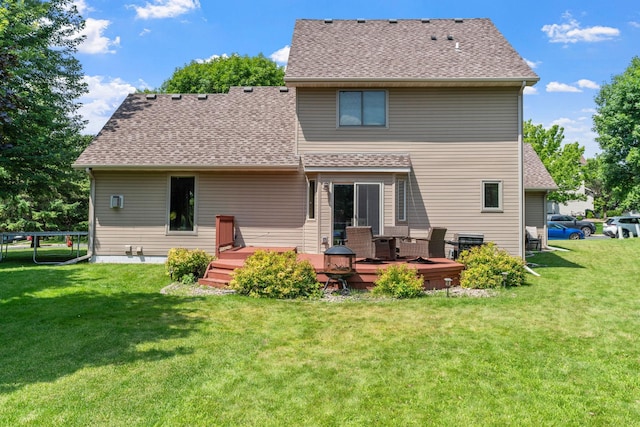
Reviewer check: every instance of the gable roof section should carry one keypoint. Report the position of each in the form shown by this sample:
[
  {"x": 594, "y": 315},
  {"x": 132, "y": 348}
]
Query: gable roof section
[
  {"x": 403, "y": 53},
  {"x": 536, "y": 175},
  {"x": 240, "y": 130}
]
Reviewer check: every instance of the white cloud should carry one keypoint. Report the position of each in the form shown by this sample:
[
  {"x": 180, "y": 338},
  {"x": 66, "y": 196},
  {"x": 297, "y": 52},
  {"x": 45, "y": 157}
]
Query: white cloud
[
  {"x": 579, "y": 130},
  {"x": 166, "y": 8},
  {"x": 82, "y": 7},
  {"x": 588, "y": 84},
  {"x": 144, "y": 32},
  {"x": 634, "y": 24},
  {"x": 104, "y": 96},
  {"x": 532, "y": 64},
  {"x": 529, "y": 90},
  {"x": 561, "y": 87},
  {"x": 588, "y": 110},
  {"x": 211, "y": 58},
  {"x": 571, "y": 32},
  {"x": 281, "y": 56},
  {"x": 95, "y": 41}
]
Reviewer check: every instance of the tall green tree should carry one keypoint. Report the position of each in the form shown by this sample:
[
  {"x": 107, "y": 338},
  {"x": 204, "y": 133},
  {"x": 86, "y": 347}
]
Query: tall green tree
[
  {"x": 617, "y": 122},
  {"x": 39, "y": 121},
  {"x": 219, "y": 74},
  {"x": 562, "y": 161}
]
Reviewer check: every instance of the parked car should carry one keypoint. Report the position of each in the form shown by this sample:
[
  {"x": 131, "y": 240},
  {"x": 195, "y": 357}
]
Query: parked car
[
  {"x": 11, "y": 238},
  {"x": 557, "y": 231},
  {"x": 587, "y": 227},
  {"x": 627, "y": 223}
]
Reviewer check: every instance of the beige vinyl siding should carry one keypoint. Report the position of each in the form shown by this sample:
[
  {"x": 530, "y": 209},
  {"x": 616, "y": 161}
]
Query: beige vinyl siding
[
  {"x": 269, "y": 210},
  {"x": 535, "y": 211},
  {"x": 415, "y": 115},
  {"x": 456, "y": 139}
]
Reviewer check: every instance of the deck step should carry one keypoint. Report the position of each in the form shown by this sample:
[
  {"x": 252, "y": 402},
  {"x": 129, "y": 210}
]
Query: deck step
[{"x": 214, "y": 283}]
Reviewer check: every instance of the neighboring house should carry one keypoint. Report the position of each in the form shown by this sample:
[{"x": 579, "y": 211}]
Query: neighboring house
[
  {"x": 382, "y": 122},
  {"x": 574, "y": 207}
]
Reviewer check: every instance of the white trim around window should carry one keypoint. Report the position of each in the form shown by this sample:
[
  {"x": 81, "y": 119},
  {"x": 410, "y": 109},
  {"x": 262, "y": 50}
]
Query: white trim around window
[
  {"x": 189, "y": 225},
  {"x": 357, "y": 109},
  {"x": 492, "y": 195},
  {"x": 401, "y": 199}
]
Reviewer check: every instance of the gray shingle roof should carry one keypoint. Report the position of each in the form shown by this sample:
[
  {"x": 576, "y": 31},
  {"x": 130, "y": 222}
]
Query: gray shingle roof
[
  {"x": 337, "y": 161},
  {"x": 536, "y": 175},
  {"x": 379, "y": 50},
  {"x": 236, "y": 130}
]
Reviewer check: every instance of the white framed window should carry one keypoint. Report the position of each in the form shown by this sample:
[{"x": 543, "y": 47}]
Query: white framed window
[
  {"x": 401, "y": 199},
  {"x": 181, "y": 206},
  {"x": 311, "y": 199},
  {"x": 362, "y": 108},
  {"x": 491, "y": 196}
]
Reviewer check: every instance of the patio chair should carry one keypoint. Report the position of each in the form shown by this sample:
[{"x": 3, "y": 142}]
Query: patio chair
[
  {"x": 436, "y": 242},
  {"x": 361, "y": 241},
  {"x": 532, "y": 238},
  {"x": 416, "y": 248}
]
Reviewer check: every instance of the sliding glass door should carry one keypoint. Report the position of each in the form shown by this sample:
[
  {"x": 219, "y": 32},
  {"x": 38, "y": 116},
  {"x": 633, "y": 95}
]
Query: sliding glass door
[{"x": 356, "y": 204}]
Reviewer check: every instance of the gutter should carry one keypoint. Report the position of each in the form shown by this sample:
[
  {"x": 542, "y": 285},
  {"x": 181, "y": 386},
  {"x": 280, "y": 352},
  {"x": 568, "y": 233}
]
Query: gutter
[
  {"x": 92, "y": 213},
  {"x": 521, "y": 189}
]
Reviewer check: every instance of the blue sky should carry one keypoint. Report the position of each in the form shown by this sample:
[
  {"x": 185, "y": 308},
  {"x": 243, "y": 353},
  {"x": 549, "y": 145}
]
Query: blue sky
[{"x": 574, "y": 46}]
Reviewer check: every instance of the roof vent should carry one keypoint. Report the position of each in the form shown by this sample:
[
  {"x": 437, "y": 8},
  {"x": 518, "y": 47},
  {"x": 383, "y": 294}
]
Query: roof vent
[
  {"x": 433, "y": 37},
  {"x": 248, "y": 89},
  {"x": 361, "y": 21},
  {"x": 151, "y": 96},
  {"x": 393, "y": 21},
  {"x": 425, "y": 20},
  {"x": 449, "y": 37},
  {"x": 176, "y": 96},
  {"x": 458, "y": 20},
  {"x": 284, "y": 89},
  {"x": 328, "y": 21},
  {"x": 202, "y": 96}
]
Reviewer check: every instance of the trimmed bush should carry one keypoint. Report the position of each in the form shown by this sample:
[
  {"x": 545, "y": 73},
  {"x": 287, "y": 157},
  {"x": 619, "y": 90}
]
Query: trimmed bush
[
  {"x": 276, "y": 275},
  {"x": 485, "y": 264},
  {"x": 399, "y": 281},
  {"x": 186, "y": 265}
]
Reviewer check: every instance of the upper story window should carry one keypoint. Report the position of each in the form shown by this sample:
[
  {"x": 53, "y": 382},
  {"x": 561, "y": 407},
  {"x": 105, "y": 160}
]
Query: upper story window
[{"x": 362, "y": 108}]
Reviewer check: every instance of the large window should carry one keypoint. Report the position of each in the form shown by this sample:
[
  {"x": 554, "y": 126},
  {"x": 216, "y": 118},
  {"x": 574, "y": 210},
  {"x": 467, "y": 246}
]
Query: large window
[
  {"x": 492, "y": 196},
  {"x": 182, "y": 203},
  {"x": 362, "y": 108}
]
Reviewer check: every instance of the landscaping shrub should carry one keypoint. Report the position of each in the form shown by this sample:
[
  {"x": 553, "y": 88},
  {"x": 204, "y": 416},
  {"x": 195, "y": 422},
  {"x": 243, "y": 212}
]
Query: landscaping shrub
[
  {"x": 485, "y": 264},
  {"x": 399, "y": 281},
  {"x": 186, "y": 265},
  {"x": 276, "y": 275}
]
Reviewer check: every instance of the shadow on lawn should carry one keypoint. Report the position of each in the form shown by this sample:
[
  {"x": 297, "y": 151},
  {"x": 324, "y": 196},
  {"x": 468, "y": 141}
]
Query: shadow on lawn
[
  {"x": 46, "y": 338},
  {"x": 552, "y": 259}
]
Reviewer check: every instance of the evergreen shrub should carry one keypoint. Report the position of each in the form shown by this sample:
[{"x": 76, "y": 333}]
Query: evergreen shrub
[
  {"x": 485, "y": 264},
  {"x": 399, "y": 281},
  {"x": 185, "y": 265},
  {"x": 276, "y": 275}
]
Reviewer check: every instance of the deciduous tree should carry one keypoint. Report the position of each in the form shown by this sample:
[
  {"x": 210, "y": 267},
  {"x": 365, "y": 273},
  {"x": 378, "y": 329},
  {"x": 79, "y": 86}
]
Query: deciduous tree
[
  {"x": 617, "y": 123},
  {"x": 562, "y": 161},
  {"x": 219, "y": 74}
]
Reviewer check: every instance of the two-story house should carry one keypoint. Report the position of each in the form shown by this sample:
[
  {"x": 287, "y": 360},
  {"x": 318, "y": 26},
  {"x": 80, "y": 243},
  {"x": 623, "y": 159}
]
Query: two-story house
[{"x": 381, "y": 122}]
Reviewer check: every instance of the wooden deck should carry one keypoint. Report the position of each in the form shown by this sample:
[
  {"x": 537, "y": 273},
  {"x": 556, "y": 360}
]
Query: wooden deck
[{"x": 219, "y": 272}]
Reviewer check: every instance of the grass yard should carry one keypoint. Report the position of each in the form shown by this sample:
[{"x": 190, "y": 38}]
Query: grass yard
[{"x": 99, "y": 345}]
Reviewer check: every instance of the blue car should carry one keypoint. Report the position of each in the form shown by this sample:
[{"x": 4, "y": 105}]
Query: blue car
[{"x": 557, "y": 231}]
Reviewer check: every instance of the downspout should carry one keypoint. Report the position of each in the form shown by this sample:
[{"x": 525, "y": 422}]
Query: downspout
[
  {"x": 92, "y": 213},
  {"x": 521, "y": 242}
]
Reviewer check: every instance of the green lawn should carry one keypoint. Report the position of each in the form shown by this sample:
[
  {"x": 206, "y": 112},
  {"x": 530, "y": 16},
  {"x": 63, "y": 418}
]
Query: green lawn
[{"x": 99, "y": 345}]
